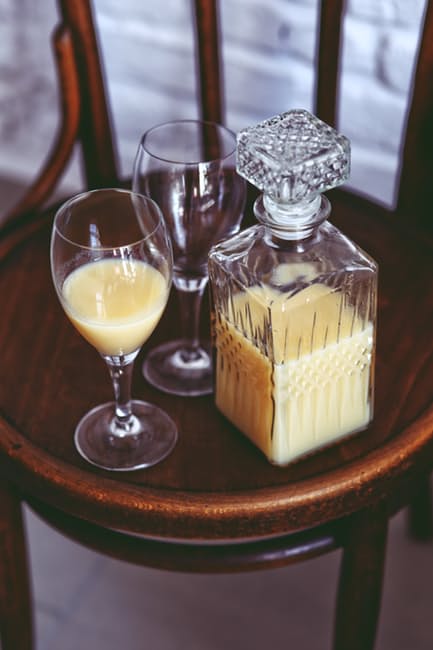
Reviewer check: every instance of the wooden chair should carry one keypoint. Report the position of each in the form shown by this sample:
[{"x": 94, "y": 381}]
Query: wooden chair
[{"x": 215, "y": 487}]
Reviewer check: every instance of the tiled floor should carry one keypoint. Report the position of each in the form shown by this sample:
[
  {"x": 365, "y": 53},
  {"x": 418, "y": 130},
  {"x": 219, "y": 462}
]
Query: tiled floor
[{"x": 85, "y": 601}]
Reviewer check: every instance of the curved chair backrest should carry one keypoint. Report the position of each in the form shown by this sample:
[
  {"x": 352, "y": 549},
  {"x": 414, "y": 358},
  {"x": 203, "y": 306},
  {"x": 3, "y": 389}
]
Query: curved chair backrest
[{"x": 86, "y": 112}]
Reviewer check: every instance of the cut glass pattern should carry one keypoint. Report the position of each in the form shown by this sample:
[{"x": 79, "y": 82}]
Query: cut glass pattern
[{"x": 293, "y": 156}]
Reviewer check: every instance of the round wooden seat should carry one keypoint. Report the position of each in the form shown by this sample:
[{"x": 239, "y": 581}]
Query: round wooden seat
[{"x": 215, "y": 485}]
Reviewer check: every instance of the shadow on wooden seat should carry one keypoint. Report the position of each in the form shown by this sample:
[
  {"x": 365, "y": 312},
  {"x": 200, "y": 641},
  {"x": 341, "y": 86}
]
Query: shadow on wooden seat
[{"x": 215, "y": 504}]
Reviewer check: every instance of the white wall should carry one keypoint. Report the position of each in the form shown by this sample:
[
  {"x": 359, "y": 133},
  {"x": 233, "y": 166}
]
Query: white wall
[{"x": 269, "y": 51}]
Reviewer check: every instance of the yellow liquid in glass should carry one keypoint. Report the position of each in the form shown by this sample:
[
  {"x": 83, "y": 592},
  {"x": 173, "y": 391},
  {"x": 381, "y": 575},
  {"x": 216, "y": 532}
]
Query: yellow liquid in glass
[
  {"x": 115, "y": 304},
  {"x": 301, "y": 377}
]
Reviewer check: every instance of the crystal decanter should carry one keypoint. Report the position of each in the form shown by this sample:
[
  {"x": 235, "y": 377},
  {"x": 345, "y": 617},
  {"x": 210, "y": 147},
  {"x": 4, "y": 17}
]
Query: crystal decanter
[{"x": 293, "y": 299}]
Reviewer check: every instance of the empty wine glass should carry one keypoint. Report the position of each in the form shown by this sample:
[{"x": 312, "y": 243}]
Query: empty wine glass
[
  {"x": 111, "y": 264},
  {"x": 188, "y": 167}
]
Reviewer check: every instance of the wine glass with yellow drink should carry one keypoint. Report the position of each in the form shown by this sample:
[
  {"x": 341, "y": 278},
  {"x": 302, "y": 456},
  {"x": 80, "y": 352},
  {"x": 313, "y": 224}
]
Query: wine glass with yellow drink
[{"x": 111, "y": 263}]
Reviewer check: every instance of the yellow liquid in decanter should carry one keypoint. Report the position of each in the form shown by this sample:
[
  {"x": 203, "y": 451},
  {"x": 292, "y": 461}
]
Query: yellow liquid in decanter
[{"x": 293, "y": 373}]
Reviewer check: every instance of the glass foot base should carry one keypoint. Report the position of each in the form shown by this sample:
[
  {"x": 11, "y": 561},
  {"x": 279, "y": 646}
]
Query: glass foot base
[
  {"x": 152, "y": 436},
  {"x": 176, "y": 368}
]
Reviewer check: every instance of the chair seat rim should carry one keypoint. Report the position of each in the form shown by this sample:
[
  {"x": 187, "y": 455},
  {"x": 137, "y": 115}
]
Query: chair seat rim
[{"x": 179, "y": 514}]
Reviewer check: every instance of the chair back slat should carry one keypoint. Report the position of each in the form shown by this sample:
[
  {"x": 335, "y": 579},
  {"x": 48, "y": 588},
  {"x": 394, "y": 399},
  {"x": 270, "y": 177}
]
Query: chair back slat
[
  {"x": 99, "y": 155},
  {"x": 328, "y": 59},
  {"x": 416, "y": 177},
  {"x": 208, "y": 60},
  {"x": 95, "y": 133}
]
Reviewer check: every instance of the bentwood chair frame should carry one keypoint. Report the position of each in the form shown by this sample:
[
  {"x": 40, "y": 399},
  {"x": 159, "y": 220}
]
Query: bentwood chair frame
[{"x": 340, "y": 498}]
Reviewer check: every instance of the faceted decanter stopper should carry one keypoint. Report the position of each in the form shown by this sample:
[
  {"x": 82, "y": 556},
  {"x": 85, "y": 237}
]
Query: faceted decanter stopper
[{"x": 293, "y": 157}]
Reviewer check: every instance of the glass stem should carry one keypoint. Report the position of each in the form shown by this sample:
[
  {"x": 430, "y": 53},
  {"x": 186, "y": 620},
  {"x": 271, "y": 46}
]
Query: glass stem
[
  {"x": 190, "y": 300},
  {"x": 120, "y": 369}
]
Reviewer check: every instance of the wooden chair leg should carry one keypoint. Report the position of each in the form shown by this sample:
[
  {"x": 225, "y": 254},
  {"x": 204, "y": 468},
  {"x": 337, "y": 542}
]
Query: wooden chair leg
[
  {"x": 420, "y": 512},
  {"x": 16, "y": 617},
  {"x": 361, "y": 578}
]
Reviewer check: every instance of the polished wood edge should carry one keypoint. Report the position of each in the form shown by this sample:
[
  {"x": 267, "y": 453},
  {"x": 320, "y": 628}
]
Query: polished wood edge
[
  {"x": 237, "y": 514},
  {"x": 197, "y": 556}
]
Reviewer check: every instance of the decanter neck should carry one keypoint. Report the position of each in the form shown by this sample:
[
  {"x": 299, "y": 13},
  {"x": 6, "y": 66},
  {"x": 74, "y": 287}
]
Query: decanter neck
[{"x": 294, "y": 220}]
